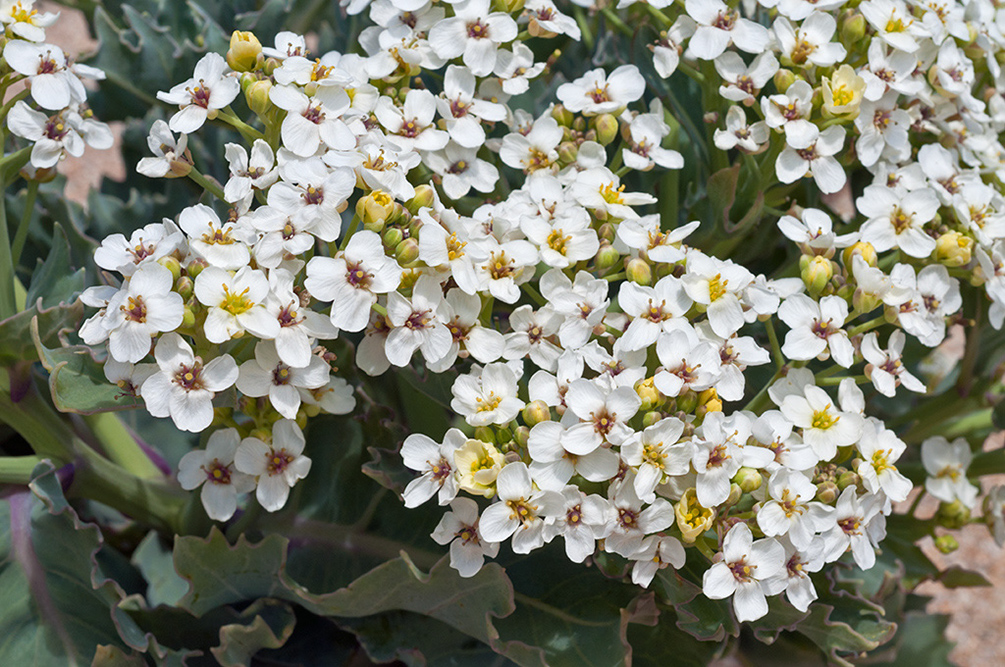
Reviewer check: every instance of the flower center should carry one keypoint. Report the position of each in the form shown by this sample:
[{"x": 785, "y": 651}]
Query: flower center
[
  {"x": 278, "y": 461},
  {"x": 281, "y": 375},
  {"x": 236, "y": 303},
  {"x": 823, "y": 419},
  {"x": 522, "y": 510},
  {"x": 357, "y": 276},
  {"x": 136, "y": 310},
  {"x": 717, "y": 287},
  {"x": 741, "y": 570},
  {"x": 217, "y": 472},
  {"x": 557, "y": 241},
  {"x": 488, "y": 404},
  {"x": 188, "y": 376},
  {"x": 216, "y": 236},
  {"x": 199, "y": 94},
  {"x": 478, "y": 30},
  {"x": 313, "y": 195}
]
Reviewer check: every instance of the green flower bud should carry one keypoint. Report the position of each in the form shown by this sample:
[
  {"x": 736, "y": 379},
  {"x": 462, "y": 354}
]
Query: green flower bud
[
  {"x": 562, "y": 115},
  {"x": 195, "y": 267},
  {"x": 172, "y": 265},
  {"x": 607, "y": 257},
  {"x": 783, "y": 79},
  {"x": 392, "y": 237},
  {"x": 687, "y": 401},
  {"x": 521, "y": 435},
  {"x": 407, "y": 252},
  {"x": 257, "y": 97},
  {"x": 567, "y": 152},
  {"x": 853, "y": 29},
  {"x": 187, "y": 318},
  {"x": 748, "y": 479},
  {"x": 607, "y": 128},
  {"x": 953, "y": 515},
  {"x": 735, "y": 492},
  {"x": 638, "y": 271},
  {"x": 485, "y": 434},
  {"x": 816, "y": 274},
  {"x": 827, "y": 492},
  {"x": 650, "y": 418},
  {"x": 536, "y": 412},
  {"x": 423, "y": 198},
  {"x": 946, "y": 544},
  {"x": 185, "y": 287},
  {"x": 848, "y": 478}
]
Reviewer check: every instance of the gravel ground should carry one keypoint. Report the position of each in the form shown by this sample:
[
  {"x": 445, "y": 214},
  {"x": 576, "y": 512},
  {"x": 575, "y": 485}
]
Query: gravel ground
[{"x": 978, "y": 614}]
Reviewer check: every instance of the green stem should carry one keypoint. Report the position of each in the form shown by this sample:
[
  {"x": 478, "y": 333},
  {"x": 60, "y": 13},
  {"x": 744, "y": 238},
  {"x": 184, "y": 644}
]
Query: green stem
[
  {"x": 867, "y": 326},
  {"x": 834, "y": 381},
  {"x": 7, "y": 304},
  {"x": 761, "y": 400},
  {"x": 207, "y": 185},
  {"x": 353, "y": 224},
  {"x": 660, "y": 17},
  {"x": 17, "y": 469},
  {"x": 534, "y": 294},
  {"x": 615, "y": 276},
  {"x": 249, "y": 133},
  {"x": 22, "y": 228},
  {"x": 966, "y": 379},
  {"x": 616, "y": 22},
  {"x": 584, "y": 26},
  {"x": 5, "y": 109},
  {"x": 120, "y": 446},
  {"x": 776, "y": 349}
]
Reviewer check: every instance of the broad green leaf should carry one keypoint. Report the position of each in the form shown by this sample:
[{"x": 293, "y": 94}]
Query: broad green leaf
[
  {"x": 16, "y": 342},
  {"x": 108, "y": 655},
  {"x": 57, "y": 600},
  {"x": 77, "y": 381},
  {"x": 271, "y": 624},
  {"x": 156, "y": 564},
  {"x": 54, "y": 282},
  {"x": 921, "y": 641}
]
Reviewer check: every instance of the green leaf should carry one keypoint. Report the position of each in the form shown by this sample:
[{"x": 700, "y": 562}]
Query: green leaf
[
  {"x": 958, "y": 577},
  {"x": 112, "y": 656},
  {"x": 838, "y": 639},
  {"x": 54, "y": 282},
  {"x": 57, "y": 598},
  {"x": 156, "y": 564},
  {"x": 988, "y": 463},
  {"x": 921, "y": 641},
  {"x": 722, "y": 193},
  {"x": 272, "y": 624},
  {"x": 77, "y": 380},
  {"x": 16, "y": 342}
]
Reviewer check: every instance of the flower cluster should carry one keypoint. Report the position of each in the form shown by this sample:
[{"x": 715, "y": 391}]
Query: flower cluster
[
  {"x": 595, "y": 351},
  {"x": 59, "y": 122}
]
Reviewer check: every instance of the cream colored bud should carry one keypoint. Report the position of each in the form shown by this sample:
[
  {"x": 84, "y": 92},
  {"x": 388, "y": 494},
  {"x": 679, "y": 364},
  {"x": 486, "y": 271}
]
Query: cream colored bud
[
  {"x": 816, "y": 274},
  {"x": 638, "y": 271},
  {"x": 245, "y": 54},
  {"x": 606, "y": 126},
  {"x": 954, "y": 249},
  {"x": 536, "y": 412},
  {"x": 843, "y": 94}
]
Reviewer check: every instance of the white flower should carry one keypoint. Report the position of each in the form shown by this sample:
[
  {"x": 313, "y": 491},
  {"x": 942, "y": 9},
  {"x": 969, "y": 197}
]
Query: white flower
[
  {"x": 814, "y": 231},
  {"x": 719, "y": 26},
  {"x": 897, "y": 220},
  {"x": 246, "y": 174},
  {"x": 738, "y": 134},
  {"x": 656, "y": 309},
  {"x": 474, "y": 33},
  {"x": 352, "y": 279},
  {"x": 55, "y": 137},
  {"x": 235, "y": 303},
  {"x": 789, "y": 511},
  {"x": 214, "y": 469},
  {"x": 145, "y": 245},
  {"x": 667, "y": 50},
  {"x": 815, "y": 328},
  {"x": 183, "y": 388},
  {"x": 553, "y": 465},
  {"x": 946, "y": 464},
  {"x": 893, "y": 22},
  {"x": 825, "y": 428},
  {"x": 688, "y": 363},
  {"x": 601, "y": 189},
  {"x": 212, "y": 240},
  {"x": 463, "y": 112},
  {"x": 716, "y": 285},
  {"x": 460, "y": 311},
  {"x": 742, "y": 82},
  {"x": 313, "y": 121},
  {"x": 657, "y": 453},
  {"x": 24, "y": 21},
  {"x": 629, "y": 524},
  {"x": 656, "y": 553},
  {"x": 167, "y": 151},
  {"x": 459, "y": 529},
  {"x": 509, "y": 265},
  {"x": 534, "y": 150},
  {"x": 277, "y": 465},
  {"x": 746, "y": 572},
  {"x": 857, "y": 522},
  {"x": 790, "y": 111},
  {"x": 596, "y": 93},
  {"x": 461, "y": 170},
  {"x": 647, "y": 131},
  {"x": 810, "y": 43},
  {"x": 516, "y": 68},
  {"x": 209, "y": 90},
  {"x": 880, "y": 447},
  {"x": 602, "y": 417},
  {"x": 799, "y": 589},
  {"x": 488, "y": 396},
  {"x": 297, "y": 325},
  {"x": 267, "y": 375},
  {"x": 53, "y": 86},
  {"x": 581, "y": 524},
  {"x": 311, "y": 186},
  {"x": 520, "y": 511},
  {"x": 416, "y": 324},
  {"x": 886, "y": 370},
  {"x": 435, "y": 463},
  {"x": 531, "y": 331},
  {"x": 563, "y": 240},
  {"x": 811, "y": 152},
  {"x": 128, "y": 377},
  {"x": 144, "y": 307},
  {"x": 645, "y": 235},
  {"x": 883, "y": 128},
  {"x": 411, "y": 126}
]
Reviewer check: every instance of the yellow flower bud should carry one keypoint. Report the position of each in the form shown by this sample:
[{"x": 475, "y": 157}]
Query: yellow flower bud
[
  {"x": 478, "y": 464},
  {"x": 954, "y": 249},
  {"x": 816, "y": 274},
  {"x": 863, "y": 249},
  {"x": 172, "y": 265},
  {"x": 374, "y": 209},
  {"x": 423, "y": 198},
  {"x": 257, "y": 97},
  {"x": 946, "y": 544},
  {"x": 245, "y": 54},
  {"x": 650, "y": 395},
  {"x": 562, "y": 115},
  {"x": 536, "y": 412},
  {"x": 607, "y": 127},
  {"x": 638, "y": 271}
]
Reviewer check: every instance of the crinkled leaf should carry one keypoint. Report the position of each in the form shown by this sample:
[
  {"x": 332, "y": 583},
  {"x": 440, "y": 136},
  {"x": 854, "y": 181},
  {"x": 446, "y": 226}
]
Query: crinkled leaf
[
  {"x": 271, "y": 624},
  {"x": 16, "y": 342},
  {"x": 54, "y": 282},
  {"x": 156, "y": 563}
]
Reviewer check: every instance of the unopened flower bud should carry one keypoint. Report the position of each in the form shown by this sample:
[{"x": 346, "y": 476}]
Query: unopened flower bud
[
  {"x": 687, "y": 401},
  {"x": 579, "y": 125},
  {"x": 508, "y": 6},
  {"x": 709, "y": 398},
  {"x": 816, "y": 273},
  {"x": 843, "y": 94},
  {"x": 954, "y": 249},
  {"x": 521, "y": 435},
  {"x": 848, "y": 478},
  {"x": 195, "y": 267},
  {"x": 865, "y": 250},
  {"x": 185, "y": 287},
  {"x": 245, "y": 53},
  {"x": 638, "y": 271},
  {"x": 562, "y": 115},
  {"x": 783, "y": 79},
  {"x": 607, "y": 257},
  {"x": 607, "y": 232},
  {"x": 946, "y": 544},
  {"x": 748, "y": 479},
  {"x": 567, "y": 152},
  {"x": 310, "y": 411},
  {"x": 536, "y": 412},
  {"x": 485, "y": 434},
  {"x": 735, "y": 492},
  {"x": 864, "y": 302},
  {"x": 187, "y": 318},
  {"x": 650, "y": 418},
  {"x": 374, "y": 209},
  {"x": 257, "y": 97},
  {"x": 853, "y": 29},
  {"x": 607, "y": 128},
  {"x": 406, "y": 252},
  {"x": 953, "y": 515},
  {"x": 392, "y": 236},
  {"x": 423, "y": 198},
  {"x": 172, "y": 265},
  {"x": 650, "y": 395},
  {"x": 827, "y": 492}
]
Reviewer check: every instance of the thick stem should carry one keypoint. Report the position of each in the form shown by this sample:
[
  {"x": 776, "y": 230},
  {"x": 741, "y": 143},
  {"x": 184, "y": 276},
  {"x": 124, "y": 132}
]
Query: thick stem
[
  {"x": 207, "y": 185},
  {"x": 120, "y": 446},
  {"x": 22, "y": 228}
]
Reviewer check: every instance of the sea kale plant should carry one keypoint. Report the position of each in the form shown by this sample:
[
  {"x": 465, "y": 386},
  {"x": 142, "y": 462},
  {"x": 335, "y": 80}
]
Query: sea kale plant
[{"x": 493, "y": 332}]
